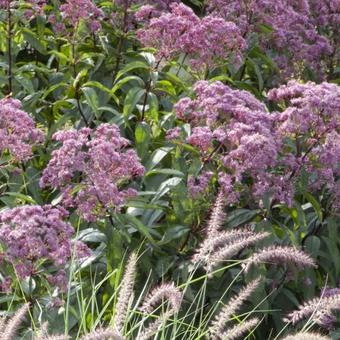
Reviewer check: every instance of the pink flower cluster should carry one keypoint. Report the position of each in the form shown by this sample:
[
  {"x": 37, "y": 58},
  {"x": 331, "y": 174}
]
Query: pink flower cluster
[
  {"x": 197, "y": 185},
  {"x": 206, "y": 41},
  {"x": 294, "y": 38},
  {"x": 127, "y": 18},
  {"x": 241, "y": 127},
  {"x": 153, "y": 9},
  {"x": 326, "y": 17},
  {"x": 254, "y": 147},
  {"x": 312, "y": 120},
  {"x": 90, "y": 167},
  {"x": 75, "y": 11},
  {"x": 37, "y": 8},
  {"x": 30, "y": 235},
  {"x": 18, "y": 133}
]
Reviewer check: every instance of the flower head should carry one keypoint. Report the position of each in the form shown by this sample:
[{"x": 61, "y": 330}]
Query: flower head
[
  {"x": 33, "y": 234},
  {"x": 207, "y": 42},
  {"x": 291, "y": 34},
  {"x": 18, "y": 133},
  {"x": 73, "y": 12},
  {"x": 90, "y": 168}
]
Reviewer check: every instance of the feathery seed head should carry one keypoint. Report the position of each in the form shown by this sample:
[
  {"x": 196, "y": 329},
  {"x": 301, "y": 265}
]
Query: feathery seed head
[
  {"x": 319, "y": 308},
  {"x": 53, "y": 337},
  {"x": 238, "y": 330},
  {"x": 230, "y": 250},
  {"x": 217, "y": 216},
  {"x": 103, "y": 334},
  {"x": 165, "y": 292},
  {"x": 280, "y": 255},
  {"x": 125, "y": 292},
  {"x": 152, "y": 328},
  {"x": 218, "y": 325},
  {"x": 10, "y": 327},
  {"x": 306, "y": 336},
  {"x": 215, "y": 242}
]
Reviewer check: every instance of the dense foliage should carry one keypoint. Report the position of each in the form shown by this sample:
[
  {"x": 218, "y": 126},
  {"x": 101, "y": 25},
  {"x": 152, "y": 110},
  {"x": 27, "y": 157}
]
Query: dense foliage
[{"x": 187, "y": 147}]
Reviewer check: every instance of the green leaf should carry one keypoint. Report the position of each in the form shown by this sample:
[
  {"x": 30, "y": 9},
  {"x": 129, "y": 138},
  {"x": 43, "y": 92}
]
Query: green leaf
[
  {"x": 222, "y": 77},
  {"x": 91, "y": 99},
  {"x": 310, "y": 198},
  {"x": 122, "y": 82},
  {"x": 91, "y": 235},
  {"x": 150, "y": 58},
  {"x": 266, "y": 28},
  {"x": 142, "y": 137},
  {"x": 240, "y": 216},
  {"x": 252, "y": 65},
  {"x": 166, "y": 186},
  {"x": 157, "y": 156},
  {"x": 312, "y": 245},
  {"x": 165, "y": 172},
  {"x": 132, "y": 66},
  {"x": 332, "y": 241},
  {"x": 114, "y": 247},
  {"x": 175, "y": 80},
  {"x": 63, "y": 59},
  {"x": 53, "y": 88},
  {"x": 36, "y": 42},
  {"x": 82, "y": 74},
  {"x": 21, "y": 197},
  {"x": 131, "y": 100},
  {"x": 173, "y": 233},
  {"x": 166, "y": 87},
  {"x": 143, "y": 229},
  {"x": 98, "y": 86},
  {"x": 153, "y": 107}
]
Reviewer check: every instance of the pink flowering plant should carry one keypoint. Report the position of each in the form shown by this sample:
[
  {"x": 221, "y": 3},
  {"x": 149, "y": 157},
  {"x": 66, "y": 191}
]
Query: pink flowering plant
[
  {"x": 259, "y": 152},
  {"x": 90, "y": 169},
  {"x": 17, "y": 130},
  {"x": 198, "y": 139},
  {"x": 76, "y": 13},
  {"x": 36, "y": 243},
  {"x": 201, "y": 40},
  {"x": 288, "y": 30}
]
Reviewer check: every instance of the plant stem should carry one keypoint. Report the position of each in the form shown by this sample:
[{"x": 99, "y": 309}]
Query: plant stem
[
  {"x": 309, "y": 150},
  {"x": 79, "y": 108},
  {"x": 9, "y": 45},
  {"x": 120, "y": 41},
  {"x": 215, "y": 150},
  {"x": 147, "y": 89},
  {"x": 192, "y": 230},
  {"x": 77, "y": 86},
  {"x": 313, "y": 232},
  {"x": 111, "y": 219},
  {"x": 200, "y": 278},
  {"x": 181, "y": 65}
]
